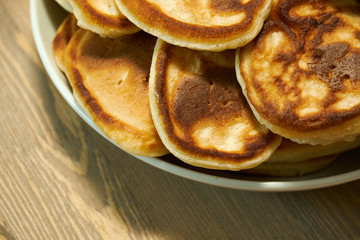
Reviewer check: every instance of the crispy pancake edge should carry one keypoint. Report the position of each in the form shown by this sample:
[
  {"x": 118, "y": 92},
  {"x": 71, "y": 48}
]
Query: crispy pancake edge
[{"x": 62, "y": 37}]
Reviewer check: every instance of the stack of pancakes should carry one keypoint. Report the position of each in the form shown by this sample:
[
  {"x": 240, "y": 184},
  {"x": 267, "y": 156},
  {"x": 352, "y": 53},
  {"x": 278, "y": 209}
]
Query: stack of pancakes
[{"x": 265, "y": 87}]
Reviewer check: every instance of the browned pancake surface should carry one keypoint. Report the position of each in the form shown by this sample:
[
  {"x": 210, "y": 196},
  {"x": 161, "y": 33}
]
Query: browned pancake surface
[
  {"x": 199, "y": 24},
  {"x": 200, "y": 112},
  {"x": 302, "y": 73},
  {"x": 110, "y": 81}
]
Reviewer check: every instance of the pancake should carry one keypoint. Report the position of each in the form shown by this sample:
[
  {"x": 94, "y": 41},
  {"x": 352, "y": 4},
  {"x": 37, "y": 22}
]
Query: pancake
[
  {"x": 291, "y": 169},
  {"x": 200, "y": 112},
  {"x": 202, "y": 25},
  {"x": 109, "y": 78},
  {"x": 62, "y": 37},
  {"x": 301, "y": 75},
  {"x": 102, "y": 17},
  {"x": 65, "y": 5},
  {"x": 290, "y": 151},
  {"x": 292, "y": 159}
]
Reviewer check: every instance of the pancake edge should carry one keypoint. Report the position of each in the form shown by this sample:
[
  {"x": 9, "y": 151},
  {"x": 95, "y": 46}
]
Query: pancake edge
[
  {"x": 291, "y": 169},
  {"x": 108, "y": 26}
]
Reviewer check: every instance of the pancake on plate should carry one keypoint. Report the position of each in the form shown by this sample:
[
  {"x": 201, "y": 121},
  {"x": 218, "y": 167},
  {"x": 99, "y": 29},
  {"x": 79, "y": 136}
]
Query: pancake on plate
[
  {"x": 292, "y": 159},
  {"x": 102, "y": 17},
  {"x": 65, "y": 5},
  {"x": 62, "y": 37},
  {"x": 109, "y": 77},
  {"x": 301, "y": 75},
  {"x": 200, "y": 113},
  {"x": 290, "y": 151},
  {"x": 203, "y": 25},
  {"x": 291, "y": 169}
]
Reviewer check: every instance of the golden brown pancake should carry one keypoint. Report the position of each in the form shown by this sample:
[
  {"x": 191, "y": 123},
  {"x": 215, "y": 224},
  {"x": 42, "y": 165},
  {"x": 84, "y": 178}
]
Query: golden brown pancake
[
  {"x": 102, "y": 17},
  {"x": 62, "y": 37},
  {"x": 292, "y": 159},
  {"x": 199, "y": 24},
  {"x": 291, "y": 169},
  {"x": 301, "y": 75},
  {"x": 109, "y": 78},
  {"x": 200, "y": 113},
  {"x": 65, "y": 5},
  {"x": 290, "y": 151}
]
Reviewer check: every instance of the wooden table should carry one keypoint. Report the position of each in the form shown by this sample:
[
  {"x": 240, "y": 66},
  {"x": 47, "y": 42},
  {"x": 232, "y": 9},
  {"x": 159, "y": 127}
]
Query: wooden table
[{"x": 59, "y": 179}]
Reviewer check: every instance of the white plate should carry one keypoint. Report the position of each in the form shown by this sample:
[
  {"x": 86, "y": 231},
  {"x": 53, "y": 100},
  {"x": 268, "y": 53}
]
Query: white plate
[{"x": 46, "y": 15}]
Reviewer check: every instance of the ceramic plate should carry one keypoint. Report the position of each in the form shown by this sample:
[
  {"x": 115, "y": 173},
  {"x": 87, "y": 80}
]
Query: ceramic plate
[{"x": 46, "y": 16}]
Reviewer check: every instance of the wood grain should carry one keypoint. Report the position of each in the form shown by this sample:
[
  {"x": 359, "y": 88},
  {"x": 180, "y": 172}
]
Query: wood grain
[{"x": 60, "y": 180}]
